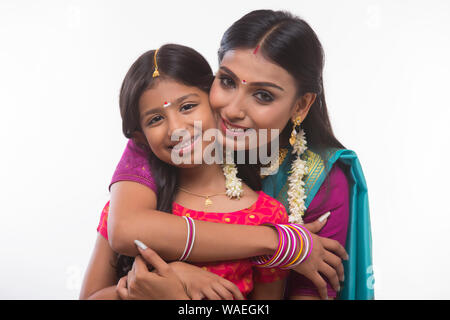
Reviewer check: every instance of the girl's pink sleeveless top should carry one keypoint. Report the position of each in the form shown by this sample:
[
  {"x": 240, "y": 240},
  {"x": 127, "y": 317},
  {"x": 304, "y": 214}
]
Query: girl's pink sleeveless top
[{"x": 241, "y": 272}]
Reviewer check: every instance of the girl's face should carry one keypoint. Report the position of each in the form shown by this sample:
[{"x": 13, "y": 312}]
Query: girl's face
[
  {"x": 250, "y": 91},
  {"x": 159, "y": 120}
]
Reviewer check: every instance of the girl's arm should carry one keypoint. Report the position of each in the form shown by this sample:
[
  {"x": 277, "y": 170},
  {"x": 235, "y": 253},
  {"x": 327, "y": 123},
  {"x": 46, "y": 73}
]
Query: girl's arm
[
  {"x": 133, "y": 216},
  {"x": 100, "y": 278}
]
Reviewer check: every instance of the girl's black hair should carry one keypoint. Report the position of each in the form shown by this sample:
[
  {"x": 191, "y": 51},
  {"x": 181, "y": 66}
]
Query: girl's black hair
[
  {"x": 186, "y": 66},
  {"x": 175, "y": 62}
]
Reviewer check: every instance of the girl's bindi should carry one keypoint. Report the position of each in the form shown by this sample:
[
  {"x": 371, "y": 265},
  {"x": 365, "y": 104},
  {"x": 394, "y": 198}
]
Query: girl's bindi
[{"x": 166, "y": 104}]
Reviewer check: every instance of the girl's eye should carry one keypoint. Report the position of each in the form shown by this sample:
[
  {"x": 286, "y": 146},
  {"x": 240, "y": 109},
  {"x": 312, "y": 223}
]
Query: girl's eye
[
  {"x": 154, "y": 120},
  {"x": 187, "y": 106},
  {"x": 264, "y": 96},
  {"x": 226, "y": 82}
]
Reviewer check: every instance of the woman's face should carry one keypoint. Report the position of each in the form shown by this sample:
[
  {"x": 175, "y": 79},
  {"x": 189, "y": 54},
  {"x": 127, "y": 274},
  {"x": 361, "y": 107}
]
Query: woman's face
[
  {"x": 172, "y": 108},
  {"x": 250, "y": 91}
]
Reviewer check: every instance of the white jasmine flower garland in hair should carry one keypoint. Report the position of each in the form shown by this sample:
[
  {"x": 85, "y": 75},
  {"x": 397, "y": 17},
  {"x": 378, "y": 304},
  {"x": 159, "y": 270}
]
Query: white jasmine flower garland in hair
[
  {"x": 232, "y": 183},
  {"x": 296, "y": 192}
]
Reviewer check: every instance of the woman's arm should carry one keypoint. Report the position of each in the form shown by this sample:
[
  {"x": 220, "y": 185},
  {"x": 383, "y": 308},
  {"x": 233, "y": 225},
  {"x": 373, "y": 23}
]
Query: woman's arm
[
  {"x": 100, "y": 277},
  {"x": 133, "y": 216}
]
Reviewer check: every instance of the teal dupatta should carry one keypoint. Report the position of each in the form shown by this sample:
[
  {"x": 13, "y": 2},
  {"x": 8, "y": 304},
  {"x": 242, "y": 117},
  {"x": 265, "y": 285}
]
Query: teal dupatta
[{"x": 358, "y": 284}]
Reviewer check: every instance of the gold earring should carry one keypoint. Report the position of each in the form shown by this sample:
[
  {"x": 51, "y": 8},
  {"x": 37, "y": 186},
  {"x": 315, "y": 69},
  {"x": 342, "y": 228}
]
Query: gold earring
[{"x": 297, "y": 121}]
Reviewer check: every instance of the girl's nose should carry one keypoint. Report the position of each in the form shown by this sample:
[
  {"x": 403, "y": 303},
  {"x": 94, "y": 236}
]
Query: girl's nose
[{"x": 177, "y": 127}]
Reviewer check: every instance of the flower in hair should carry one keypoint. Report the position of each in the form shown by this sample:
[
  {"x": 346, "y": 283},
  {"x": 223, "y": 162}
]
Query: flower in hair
[
  {"x": 296, "y": 192},
  {"x": 233, "y": 184}
]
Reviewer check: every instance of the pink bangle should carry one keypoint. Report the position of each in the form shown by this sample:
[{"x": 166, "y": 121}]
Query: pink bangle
[
  {"x": 291, "y": 248},
  {"x": 310, "y": 239},
  {"x": 266, "y": 262},
  {"x": 284, "y": 251}
]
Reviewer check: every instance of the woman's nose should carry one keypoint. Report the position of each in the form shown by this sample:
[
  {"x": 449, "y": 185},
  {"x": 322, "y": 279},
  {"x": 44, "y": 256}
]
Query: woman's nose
[{"x": 234, "y": 111}]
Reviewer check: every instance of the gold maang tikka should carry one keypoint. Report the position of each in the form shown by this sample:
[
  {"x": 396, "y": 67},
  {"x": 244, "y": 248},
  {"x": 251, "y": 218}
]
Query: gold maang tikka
[{"x": 156, "y": 72}]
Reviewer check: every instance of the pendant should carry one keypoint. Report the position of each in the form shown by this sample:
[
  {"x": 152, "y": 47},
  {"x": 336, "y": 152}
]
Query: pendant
[{"x": 208, "y": 202}]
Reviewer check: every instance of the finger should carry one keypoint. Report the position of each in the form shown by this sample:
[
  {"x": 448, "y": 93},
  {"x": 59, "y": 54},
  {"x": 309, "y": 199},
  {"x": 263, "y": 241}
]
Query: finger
[
  {"x": 130, "y": 280},
  {"x": 318, "y": 224},
  {"x": 336, "y": 263},
  {"x": 233, "y": 289},
  {"x": 335, "y": 247},
  {"x": 140, "y": 267},
  {"x": 210, "y": 294},
  {"x": 153, "y": 258},
  {"x": 121, "y": 288},
  {"x": 122, "y": 282},
  {"x": 321, "y": 285},
  {"x": 331, "y": 275},
  {"x": 123, "y": 293},
  {"x": 223, "y": 292},
  {"x": 197, "y": 295}
]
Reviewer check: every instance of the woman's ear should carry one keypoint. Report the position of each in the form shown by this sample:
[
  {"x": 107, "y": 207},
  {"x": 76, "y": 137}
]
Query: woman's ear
[
  {"x": 140, "y": 139},
  {"x": 303, "y": 104}
]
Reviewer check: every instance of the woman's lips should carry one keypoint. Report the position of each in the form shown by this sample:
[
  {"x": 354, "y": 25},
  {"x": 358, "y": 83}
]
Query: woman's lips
[{"x": 230, "y": 129}]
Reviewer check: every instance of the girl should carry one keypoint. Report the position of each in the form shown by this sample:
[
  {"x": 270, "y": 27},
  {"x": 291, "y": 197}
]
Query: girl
[
  {"x": 165, "y": 92},
  {"x": 270, "y": 76}
]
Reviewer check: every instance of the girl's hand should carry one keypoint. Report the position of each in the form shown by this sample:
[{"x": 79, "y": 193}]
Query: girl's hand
[
  {"x": 323, "y": 260},
  {"x": 201, "y": 284},
  {"x": 141, "y": 284}
]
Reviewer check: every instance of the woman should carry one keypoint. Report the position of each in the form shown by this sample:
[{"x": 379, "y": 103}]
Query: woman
[{"x": 270, "y": 77}]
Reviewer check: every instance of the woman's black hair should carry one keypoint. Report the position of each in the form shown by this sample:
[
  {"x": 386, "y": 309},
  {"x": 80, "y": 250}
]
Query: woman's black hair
[{"x": 291, "y": 43}]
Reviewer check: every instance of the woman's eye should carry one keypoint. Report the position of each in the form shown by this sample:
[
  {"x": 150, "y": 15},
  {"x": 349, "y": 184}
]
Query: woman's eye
[
  {"x": 226, "y": 82},
  {"x": 154, "y": 120},
  {"x": 264, "y": 96},
  {"x": 187, "y": 106}
]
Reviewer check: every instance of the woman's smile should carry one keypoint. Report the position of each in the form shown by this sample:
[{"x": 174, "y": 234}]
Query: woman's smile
[{"x": 230, "y": 129}]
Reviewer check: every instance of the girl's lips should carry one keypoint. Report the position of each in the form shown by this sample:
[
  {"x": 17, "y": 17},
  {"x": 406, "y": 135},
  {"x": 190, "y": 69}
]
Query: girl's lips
[
  {"x": 239, "y": 132},
  {"x": 182, "y": 147}
]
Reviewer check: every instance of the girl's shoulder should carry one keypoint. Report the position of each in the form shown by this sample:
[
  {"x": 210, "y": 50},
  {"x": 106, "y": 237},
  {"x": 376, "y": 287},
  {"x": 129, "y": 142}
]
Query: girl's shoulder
[{"x": 269, "y": 209}]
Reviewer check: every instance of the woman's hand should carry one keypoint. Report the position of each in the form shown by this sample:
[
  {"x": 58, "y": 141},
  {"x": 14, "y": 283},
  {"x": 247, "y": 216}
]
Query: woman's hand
[
  {"x": 201, "y": 284},
  {"x": 325, "y": 258},
  {"x": 141, "y": 284}
]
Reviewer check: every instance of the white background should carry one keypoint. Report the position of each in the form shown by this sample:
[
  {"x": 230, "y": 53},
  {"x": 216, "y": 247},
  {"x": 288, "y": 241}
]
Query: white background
[{"x": 61, "y": 67}]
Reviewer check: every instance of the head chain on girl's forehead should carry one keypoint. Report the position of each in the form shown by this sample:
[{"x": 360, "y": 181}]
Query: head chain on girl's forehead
[{"x": 156, "y": 72}]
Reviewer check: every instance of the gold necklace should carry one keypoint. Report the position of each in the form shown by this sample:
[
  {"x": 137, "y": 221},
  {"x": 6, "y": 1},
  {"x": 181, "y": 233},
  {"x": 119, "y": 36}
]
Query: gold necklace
[{"x": 208, "y": 201}]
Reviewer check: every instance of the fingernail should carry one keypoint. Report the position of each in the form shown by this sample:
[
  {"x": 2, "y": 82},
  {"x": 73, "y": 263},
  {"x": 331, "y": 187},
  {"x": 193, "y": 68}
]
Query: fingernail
[
  {"x": 324, "y": 216},
  {"x": 140, "y": 244}
]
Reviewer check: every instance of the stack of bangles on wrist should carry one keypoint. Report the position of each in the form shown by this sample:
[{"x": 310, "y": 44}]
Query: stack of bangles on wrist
[{"x": 294, "y": 247}]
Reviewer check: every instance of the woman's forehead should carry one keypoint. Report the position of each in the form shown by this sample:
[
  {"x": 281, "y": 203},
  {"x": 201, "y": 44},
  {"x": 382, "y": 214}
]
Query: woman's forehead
[{"x": 251, "y": 67}]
